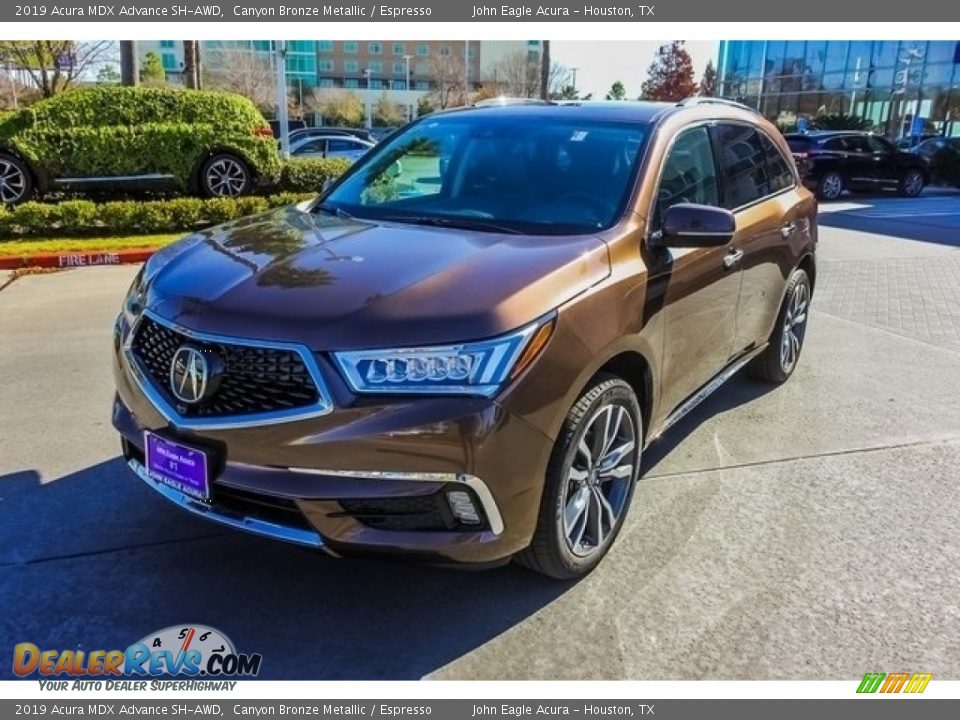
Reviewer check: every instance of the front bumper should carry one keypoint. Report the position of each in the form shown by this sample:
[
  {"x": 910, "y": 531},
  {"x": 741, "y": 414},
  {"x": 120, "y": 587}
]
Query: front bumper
[{"x": 330, "y": 481}]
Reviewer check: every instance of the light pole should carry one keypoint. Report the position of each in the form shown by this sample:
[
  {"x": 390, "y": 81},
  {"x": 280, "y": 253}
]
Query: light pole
[
  {"x": 406, "y": 74},
  {"x": 574, "y": 71},
  {"x": 282, "y": 119},
  {"x": 466, "y": 73},
  {"x": 366, "y": 74}
]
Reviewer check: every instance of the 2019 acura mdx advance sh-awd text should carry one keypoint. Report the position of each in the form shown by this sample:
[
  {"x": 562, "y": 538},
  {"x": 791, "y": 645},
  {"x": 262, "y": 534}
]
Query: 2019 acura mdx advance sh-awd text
[{"x": 460, "y": 350}]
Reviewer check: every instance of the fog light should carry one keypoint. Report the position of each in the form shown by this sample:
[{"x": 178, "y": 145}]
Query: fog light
[{"x": 463, "y": 508}]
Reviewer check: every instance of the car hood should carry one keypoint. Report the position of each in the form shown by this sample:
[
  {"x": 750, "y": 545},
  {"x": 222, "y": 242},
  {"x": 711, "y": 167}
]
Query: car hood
[{"x": 333, "y": 284}]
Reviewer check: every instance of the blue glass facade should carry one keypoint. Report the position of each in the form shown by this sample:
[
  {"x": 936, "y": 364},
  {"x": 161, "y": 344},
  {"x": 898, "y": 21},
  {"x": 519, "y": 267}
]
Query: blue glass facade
[
  {"x": 301, "y": 55},
  {"x": 886, "y": 82}
]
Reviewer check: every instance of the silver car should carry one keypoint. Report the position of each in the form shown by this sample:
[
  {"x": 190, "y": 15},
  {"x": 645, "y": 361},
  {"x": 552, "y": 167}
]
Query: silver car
[{"x": 341, "y": 146}]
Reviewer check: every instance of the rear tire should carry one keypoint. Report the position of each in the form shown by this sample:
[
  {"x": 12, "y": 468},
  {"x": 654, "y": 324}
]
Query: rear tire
[
  {"x": 16, "y": 181},
  {"x": 830, "y": 186},
  {"x": 225, "y": 175},
  {"x": 589, "y": 482},
  {"x": 911, "y": 184},
  {"x": 777, "y": 363}
]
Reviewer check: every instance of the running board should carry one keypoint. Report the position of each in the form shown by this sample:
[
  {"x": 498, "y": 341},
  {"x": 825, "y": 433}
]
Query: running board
[{"x": 707, "y": 390}]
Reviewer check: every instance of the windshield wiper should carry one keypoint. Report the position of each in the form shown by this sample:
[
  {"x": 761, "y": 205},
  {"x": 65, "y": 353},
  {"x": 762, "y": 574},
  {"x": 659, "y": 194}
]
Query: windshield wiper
[
  {"x": 464, "y": 223},
  {"x": 335, "y": 211}
]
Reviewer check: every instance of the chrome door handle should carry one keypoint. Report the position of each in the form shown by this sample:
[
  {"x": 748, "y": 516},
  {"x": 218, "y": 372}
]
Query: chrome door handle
[
  {"x": 732, "y": 258},
  {"x": 788, "y": 229}
]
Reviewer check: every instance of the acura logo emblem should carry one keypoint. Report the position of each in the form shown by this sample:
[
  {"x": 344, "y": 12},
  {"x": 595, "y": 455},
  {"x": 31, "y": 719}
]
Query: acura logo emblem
[{"x": 189, "y": 374}]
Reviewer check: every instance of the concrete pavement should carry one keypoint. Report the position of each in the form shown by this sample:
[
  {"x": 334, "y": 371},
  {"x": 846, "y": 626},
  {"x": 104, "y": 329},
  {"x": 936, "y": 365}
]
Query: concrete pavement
[{"x": 808, "y": 531}]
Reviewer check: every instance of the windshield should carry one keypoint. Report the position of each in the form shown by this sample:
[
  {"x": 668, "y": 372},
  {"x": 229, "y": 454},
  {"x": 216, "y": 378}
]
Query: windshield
[{"x": 528, "y": 174}]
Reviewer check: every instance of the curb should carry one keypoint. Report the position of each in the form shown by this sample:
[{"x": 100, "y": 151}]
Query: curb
[{"x": 75, "y": 259}]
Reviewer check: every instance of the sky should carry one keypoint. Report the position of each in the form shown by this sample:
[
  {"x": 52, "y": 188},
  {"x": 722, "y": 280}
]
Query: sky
[{"x": 601, "y": 63}]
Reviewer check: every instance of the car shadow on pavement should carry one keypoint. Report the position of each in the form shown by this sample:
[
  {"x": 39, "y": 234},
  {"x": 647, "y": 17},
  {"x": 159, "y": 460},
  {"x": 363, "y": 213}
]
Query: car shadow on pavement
[
  {"x": 97, "y": 560},
  {"x": 737, "y": 391},
  {"x": 930, "y": 219}
]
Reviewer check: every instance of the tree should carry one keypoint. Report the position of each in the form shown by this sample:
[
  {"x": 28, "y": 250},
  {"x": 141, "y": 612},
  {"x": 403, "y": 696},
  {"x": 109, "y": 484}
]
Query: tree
[
  {"x": 545, "y": 69},
  {"x": 246, "y": 73},
  {"x": 151, "y": 71},
  {"x": 54, "y": 65},
  {"x": 517, "y": 75},
  {"x": 447, "y": 72},
  {"x": 424, "y": 106},
  {"x": 388, "y": 113},
  {"x": 708, "y": 83},
  {"x": 108, "y": 75},
  {"x": 617, "y": 91},
  {"x": 191, "y": 64},
  {"x": 670, "y": 76},
  {"x": 338, "y": 108}
]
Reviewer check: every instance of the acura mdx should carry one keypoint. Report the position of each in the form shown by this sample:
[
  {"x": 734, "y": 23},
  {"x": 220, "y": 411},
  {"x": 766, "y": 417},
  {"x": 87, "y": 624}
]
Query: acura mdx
[{"x": 460, "y": 350}]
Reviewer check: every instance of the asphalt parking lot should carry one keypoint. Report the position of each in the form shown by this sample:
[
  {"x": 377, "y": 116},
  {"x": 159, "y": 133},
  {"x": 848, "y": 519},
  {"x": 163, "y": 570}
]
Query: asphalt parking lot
[{"x": 804, "y": 532}]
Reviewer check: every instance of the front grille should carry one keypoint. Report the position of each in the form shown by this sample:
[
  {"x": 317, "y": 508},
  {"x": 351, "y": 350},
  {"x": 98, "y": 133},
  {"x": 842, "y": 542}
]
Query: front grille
[
  {"x": 416, "y": 512},
  {"x": 254, "y": 379}
]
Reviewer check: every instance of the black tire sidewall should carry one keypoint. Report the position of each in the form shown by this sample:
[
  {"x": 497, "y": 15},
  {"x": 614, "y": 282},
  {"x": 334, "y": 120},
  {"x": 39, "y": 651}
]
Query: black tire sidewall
[
  {"x": 205, "y": 189},
  {"x": 619, "y": 393}
]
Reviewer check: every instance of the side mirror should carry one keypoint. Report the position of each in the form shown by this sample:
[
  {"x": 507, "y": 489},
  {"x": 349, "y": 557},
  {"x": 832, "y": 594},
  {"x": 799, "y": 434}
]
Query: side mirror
[{"x": 690, "y": 225}]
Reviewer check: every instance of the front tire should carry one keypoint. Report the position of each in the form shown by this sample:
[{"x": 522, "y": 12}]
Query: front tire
[
  {"x": 16, "y": 182},
  {"x": 830, "y": 186},
  {"x": 911, "y": 184},
  {"x": 590, "y": 481},
  {"x": 226, "y": 176},
  {"x": 777, "y": 363}
]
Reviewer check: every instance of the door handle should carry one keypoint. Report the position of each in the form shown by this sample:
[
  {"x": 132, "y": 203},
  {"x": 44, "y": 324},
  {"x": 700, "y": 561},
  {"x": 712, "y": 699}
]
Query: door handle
[
  {"x": 788, "y": 229},
  {"x": 732, "y": 258}
]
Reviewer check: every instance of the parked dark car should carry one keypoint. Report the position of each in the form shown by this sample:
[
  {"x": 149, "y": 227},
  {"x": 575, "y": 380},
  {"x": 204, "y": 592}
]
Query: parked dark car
[
  {"x": 943, "y": 156},
  {"x": 831, "y": 161},
  {"x": 463, "y": 360},
  {"x": 123, "y": 138},
  {"x": 292, "y": 126}
]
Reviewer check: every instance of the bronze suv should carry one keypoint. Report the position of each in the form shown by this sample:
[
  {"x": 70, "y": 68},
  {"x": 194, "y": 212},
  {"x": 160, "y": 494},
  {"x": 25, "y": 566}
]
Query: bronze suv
[{"x": 460, "y": 350}]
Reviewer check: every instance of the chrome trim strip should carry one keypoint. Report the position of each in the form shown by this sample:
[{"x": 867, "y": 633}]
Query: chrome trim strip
[
  {"x": 706, "y": 391},
  {"x": 323, "y": 405},
  {"x": 253, "y": 525},
  {"x": 113, "y": 178},
  {"x": 478, "y": 486}
]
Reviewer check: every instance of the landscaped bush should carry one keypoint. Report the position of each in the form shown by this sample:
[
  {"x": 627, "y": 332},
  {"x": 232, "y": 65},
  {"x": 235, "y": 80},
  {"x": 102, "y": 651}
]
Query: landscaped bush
[
  {"x": 309, "y": 174},
  {"x": 117, "y": 131},
  {"x": 84, "y": 217}
]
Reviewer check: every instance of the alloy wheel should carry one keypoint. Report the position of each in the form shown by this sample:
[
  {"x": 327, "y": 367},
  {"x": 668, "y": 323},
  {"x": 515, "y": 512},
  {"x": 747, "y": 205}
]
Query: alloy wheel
[
  {"x": 832, "y": 186},
  {"x": 226, "y": 178},
  {"x": 794, "y": 327},
  {"x": 599, "y": 478},
  {"x": 912, "y": 184},
  {"x": 13, "y": 183}
]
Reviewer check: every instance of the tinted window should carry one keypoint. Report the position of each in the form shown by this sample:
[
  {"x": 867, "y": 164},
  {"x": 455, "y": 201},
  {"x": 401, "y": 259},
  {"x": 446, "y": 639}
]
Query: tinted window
[
  {"x": 314, "y": 147},
  {"x": 837, "y": 144},
  {"x": 689, "y": 174},
  {"x": 343, "y": 145},
  {"x": 742, "y": 165},
  {"x": 779, "y": 173},
  {"x": 879, "y": 145},
  {"x": 798, "y": 144},
  {"x": 857, "y": 144}
]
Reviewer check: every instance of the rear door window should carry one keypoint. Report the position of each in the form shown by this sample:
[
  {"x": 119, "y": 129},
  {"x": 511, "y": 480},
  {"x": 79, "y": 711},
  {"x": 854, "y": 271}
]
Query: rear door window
[
  {"x": 779, "y": 173},
  {"x": 742, "y": 165}
]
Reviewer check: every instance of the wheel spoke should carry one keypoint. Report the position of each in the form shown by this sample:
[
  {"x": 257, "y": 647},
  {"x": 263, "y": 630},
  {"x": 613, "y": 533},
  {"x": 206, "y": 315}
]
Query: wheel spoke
[
  {"x": 596, "y": 518},
  {"x": 575, "y": 511},
  {"x": 614, "y": 457},
  {"x": 578, "y": 475}
]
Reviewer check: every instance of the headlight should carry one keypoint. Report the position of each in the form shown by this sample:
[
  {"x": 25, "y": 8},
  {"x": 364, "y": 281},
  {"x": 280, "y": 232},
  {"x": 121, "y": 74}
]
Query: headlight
[
  {"x": 475, "y": 368},
  {"x": 136, "y": 296}
]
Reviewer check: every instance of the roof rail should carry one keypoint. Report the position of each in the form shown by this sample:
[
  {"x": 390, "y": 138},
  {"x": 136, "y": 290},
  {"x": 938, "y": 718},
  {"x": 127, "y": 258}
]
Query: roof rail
[
  {"x": 503, "y": 100},
  {"x": 695, "y": 100}
]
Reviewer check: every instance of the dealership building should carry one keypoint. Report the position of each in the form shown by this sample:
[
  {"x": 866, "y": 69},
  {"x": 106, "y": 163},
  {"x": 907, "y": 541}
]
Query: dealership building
[{"x": 887, "y": 82}]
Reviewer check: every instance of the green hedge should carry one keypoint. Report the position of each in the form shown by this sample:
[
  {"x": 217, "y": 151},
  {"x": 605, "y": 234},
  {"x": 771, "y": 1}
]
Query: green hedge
[
  {"x": 132, "y": 131},
  {"x": 85, "y": 217},
  {"x": 309, "y": 174}
]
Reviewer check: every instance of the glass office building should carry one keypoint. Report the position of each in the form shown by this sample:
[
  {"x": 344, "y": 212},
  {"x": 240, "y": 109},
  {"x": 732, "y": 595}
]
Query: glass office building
[{"x": 885, "y": 82}]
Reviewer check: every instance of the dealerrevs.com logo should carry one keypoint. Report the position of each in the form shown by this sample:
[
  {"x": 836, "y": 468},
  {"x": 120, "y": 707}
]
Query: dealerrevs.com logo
[
  {"x": 894, "y": 682},
  {"x": 191, "y": 651}
]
